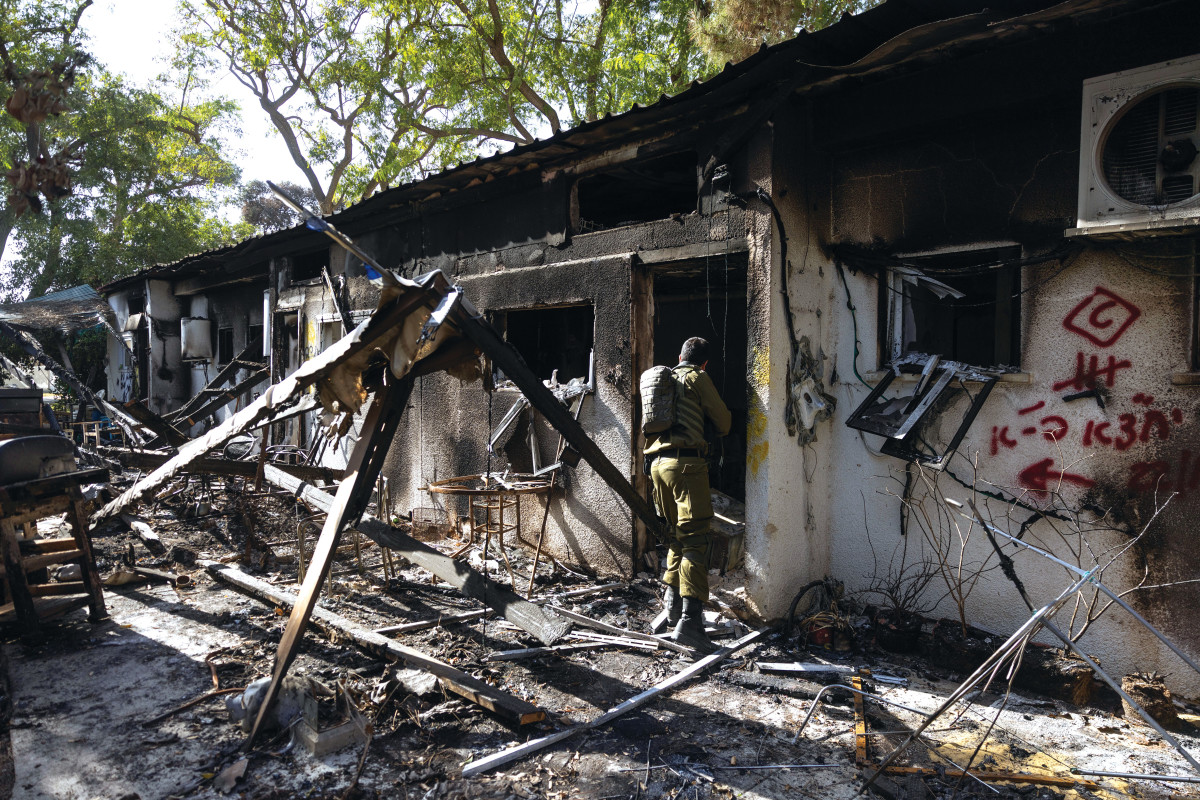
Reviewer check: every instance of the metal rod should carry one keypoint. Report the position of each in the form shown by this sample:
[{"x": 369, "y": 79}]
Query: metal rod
[
  {"x": 1014, "y": 642},
  {"x": 816, "y": 700},
  {"x": 1098, "y": 584},
  {"x": 1138, "y": 775},
  {"x": 1151, "y": 721}
]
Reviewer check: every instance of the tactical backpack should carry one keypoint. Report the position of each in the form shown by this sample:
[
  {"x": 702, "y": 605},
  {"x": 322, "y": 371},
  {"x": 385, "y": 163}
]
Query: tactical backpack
[{"x": 658, "y": 387}]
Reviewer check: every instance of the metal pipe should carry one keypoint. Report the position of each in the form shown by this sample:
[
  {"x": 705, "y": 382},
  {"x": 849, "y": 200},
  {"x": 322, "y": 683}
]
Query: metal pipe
[
  {"x": 1142, "y": 776},
  {"x": 1151, "y": 721},
  {"x": 1098, "y": 584}
]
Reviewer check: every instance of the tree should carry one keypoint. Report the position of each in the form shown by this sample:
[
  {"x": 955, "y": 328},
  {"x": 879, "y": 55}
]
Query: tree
[
  {"x": 266, "y": 212},
  {"x": 367, "y": 93},
  {"x": 39, "y": 57},
  {"x": 730, "y": 30},
  {"x": 132, "y": 177}
]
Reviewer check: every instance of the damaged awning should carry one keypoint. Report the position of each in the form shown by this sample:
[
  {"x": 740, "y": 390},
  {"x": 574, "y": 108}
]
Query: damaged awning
[{"x": 71, "y": 309}]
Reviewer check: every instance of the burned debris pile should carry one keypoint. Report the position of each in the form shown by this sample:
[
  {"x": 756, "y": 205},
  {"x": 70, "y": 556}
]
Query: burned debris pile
[{"x": 466, "y": 666}]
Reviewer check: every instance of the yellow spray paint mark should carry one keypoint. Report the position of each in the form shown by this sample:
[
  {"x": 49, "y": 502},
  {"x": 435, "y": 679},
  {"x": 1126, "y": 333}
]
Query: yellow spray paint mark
[{"x": 756, "y": 423}]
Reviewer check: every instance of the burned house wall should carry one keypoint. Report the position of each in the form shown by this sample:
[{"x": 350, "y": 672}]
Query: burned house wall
[
  {"x": 233, "y": 310},
  {"x": 120, "y": 387},
  {"x": 952, "y": 159},
  {"x": 162, "y": 308},
  {"x": 517, "y": 268}
]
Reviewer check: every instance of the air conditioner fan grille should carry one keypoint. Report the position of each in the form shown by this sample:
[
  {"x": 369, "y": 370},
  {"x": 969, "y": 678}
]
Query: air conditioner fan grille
[{"x": 1136, "y": 162}]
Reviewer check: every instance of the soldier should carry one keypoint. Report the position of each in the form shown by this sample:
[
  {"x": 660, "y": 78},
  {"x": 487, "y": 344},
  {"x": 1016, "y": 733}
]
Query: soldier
[{"x": 679, "y": 471}]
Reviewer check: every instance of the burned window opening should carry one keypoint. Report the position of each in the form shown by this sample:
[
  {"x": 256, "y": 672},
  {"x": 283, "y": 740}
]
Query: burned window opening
[
  {"x": 254, "y": 336},
  {"x": 641, "y": 191},
  {"x": 307, "y": 266},
  {"x": 224, "y": 345},
  {"x": 964, "y": 306},
  {"x": 552, "y": 340}
]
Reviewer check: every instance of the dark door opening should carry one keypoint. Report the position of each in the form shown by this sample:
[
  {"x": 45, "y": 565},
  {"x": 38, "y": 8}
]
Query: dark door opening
[{"x": 707, "y": 298}]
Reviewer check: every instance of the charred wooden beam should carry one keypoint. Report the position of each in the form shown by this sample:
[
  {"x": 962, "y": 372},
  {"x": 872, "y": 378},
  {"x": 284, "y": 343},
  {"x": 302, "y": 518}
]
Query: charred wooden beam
[
  {"x": 547, "y": 627},
  {"x": 220, "y": 466},
  {"x": 508, "y": 359},
  {"x": 378, "y": 427},
  {"x": 137, "y": 409},
  {"x": 452, "y": 679},
  {"x": 222, "y": 398},
  {"x": 245, "y": 360}
]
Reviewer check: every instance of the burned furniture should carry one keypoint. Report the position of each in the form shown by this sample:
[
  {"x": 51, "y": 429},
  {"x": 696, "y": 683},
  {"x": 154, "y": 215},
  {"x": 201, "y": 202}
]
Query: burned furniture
[
  {"x": 31, "y": 597},
  {"x": 904, "y": 418},
  {"x": 496, "y": 500}
]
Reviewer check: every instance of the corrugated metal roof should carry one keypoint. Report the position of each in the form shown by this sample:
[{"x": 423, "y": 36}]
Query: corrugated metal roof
[
  {"x": 75, "y": 293},
  {"x": 894, "y": 32}
]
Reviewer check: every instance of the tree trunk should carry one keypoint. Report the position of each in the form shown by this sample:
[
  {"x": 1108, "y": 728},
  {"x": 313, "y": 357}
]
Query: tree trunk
[
  {"x": 8, "y": 221},
  {"x": 45, "y": 279}
]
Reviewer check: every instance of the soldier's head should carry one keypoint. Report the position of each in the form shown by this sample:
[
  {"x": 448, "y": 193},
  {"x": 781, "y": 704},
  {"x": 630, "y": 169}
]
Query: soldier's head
[{"x": 694, "y": 351}]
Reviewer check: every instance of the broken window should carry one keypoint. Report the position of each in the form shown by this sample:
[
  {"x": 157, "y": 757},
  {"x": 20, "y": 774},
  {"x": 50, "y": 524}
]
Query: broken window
[
  {"x": 552, "y": 339},
  {"x": 308, "y": 266},
  {"x": 908, "y": 417},
  {"x": 964, "y": 306},
  {"x": 224, "y": 345},
  {"x": 640, "y": 191}
]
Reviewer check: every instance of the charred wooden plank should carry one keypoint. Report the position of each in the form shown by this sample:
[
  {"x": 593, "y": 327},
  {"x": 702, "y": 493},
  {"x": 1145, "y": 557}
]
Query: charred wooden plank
[
  {"x": 243, "y": 361},
  {"x": 137, "y": 409},
  {"x": 454, "y": 680},
  {"x": 222, "y": 398},
  {"x": 548, "y": 628},
  {"x": 378, "y": 427},
  {"x": 146, "y": 533},
  {"x": 221, "y": 466},
  {"x": 277, "y": 398}
]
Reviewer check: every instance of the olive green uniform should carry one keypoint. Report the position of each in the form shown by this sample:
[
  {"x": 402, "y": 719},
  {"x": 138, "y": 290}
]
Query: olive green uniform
[{"x": 680, "y": 480}]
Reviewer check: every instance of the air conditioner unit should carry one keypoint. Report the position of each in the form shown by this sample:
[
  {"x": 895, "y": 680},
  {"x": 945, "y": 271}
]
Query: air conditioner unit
[{"x": 1138, "y": 164}]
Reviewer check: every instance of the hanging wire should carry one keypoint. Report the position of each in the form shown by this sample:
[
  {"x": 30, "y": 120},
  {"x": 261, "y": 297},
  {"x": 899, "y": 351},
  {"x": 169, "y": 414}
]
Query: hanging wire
[{"x": 853, "y": 320}]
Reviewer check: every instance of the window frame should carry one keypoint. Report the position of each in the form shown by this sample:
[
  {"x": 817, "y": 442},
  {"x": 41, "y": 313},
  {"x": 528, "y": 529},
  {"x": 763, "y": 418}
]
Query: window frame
[{"x": 1007, "y": 350}]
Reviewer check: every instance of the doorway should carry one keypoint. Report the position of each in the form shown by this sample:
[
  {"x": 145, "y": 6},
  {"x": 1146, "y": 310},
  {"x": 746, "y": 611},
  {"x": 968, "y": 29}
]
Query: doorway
[{"x": 706, "y": 297}]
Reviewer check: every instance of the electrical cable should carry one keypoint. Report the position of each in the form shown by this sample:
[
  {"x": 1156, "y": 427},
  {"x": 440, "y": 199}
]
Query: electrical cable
[
  {"x": 854, "y": 321},
  {"x": 927, "y": 302}
]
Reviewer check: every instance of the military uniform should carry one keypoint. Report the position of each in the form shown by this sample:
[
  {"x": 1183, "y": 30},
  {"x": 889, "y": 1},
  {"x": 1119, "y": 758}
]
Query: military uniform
[{"x": 680, "y": 480}]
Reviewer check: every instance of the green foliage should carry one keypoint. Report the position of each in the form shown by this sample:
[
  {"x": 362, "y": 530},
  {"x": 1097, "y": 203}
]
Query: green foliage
[
  {"x": 730, "y": 30},
  {"x": 145, "y": 168},
  {"x": 266, "y": 212},
  {"x": 377, "y": 92}
]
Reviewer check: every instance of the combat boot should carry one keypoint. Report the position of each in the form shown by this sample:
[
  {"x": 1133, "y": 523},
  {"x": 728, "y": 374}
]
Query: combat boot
[
  {"x": 690, "y": 630},
  {"x": 672, "y": 609}
]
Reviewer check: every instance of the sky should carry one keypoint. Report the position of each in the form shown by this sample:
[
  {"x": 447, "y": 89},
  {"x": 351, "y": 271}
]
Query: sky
[{"x": 131, "y": 37}]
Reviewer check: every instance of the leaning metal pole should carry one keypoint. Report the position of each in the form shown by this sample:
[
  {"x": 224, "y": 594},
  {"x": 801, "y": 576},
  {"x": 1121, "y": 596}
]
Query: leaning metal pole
[
  {"x": 1013, "y": 643},
  {"x": 1098, "y": 584},
  {"x": 1151, "y": 721}
]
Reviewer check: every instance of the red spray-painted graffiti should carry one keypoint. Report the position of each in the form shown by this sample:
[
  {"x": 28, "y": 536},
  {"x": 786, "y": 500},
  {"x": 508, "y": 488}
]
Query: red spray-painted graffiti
[
  {"x": 1090, "y": 377},
  {"x": 1043, "y": 475},
  {"x": 1102, "y": 317}
]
